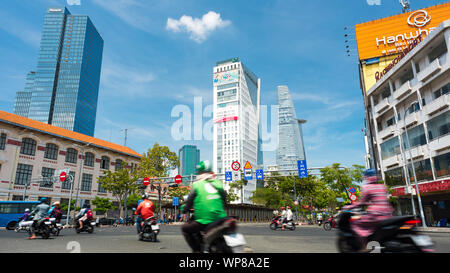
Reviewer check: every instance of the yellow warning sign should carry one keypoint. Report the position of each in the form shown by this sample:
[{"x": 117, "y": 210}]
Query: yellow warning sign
[{"x": 247, "y": 165}]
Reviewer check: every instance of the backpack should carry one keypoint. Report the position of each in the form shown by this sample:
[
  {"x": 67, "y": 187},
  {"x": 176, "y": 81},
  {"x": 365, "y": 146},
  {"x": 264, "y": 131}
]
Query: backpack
[
  {"x": 89, "y": 214},
  {"x": 57, "y": 213}
]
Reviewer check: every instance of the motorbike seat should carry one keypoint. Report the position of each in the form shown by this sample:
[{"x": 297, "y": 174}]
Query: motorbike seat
[
  {"x": 394, "y": 220},
  {"x": 213, "y": 230}
]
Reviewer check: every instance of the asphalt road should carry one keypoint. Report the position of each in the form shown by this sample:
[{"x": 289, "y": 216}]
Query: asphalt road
[{"x": 305, "y": 239}]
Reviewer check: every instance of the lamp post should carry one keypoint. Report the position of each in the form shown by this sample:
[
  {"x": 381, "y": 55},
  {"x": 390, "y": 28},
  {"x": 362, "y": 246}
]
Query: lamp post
[
  {"x": 419, "y": 199},
  {"x": 79, "y": 174}
]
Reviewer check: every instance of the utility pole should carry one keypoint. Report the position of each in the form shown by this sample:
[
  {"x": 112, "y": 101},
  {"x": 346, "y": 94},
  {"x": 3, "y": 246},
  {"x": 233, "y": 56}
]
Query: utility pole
[{"x": 126, "y": 135}]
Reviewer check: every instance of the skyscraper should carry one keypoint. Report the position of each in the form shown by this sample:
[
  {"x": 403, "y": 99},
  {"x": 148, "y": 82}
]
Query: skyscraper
[
  {"x": 290, "y": 136},
  {"x": 189, "y": 157},
  {"x": 236, "y": 119},
  {"x": 63, "y": 91}
]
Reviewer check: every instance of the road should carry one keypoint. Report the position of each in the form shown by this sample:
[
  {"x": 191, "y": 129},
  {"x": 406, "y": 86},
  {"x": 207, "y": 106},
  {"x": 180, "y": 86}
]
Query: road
[{"x": 305, "y": 239}]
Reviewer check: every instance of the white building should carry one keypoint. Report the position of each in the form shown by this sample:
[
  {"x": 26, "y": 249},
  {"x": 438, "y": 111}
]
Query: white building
[{"x": 236, "y": 120}]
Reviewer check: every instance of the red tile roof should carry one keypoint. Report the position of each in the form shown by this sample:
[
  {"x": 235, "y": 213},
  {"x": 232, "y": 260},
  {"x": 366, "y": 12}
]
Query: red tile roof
[{"x": 64, "y": 133}]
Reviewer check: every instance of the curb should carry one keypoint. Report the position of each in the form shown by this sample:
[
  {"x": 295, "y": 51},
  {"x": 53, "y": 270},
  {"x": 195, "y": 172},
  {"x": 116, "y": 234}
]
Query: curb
[{"x": 434, "y": 230}]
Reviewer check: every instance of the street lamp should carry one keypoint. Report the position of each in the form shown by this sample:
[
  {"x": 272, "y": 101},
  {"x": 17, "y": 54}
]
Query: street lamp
[
  {"x": 419, "y": 199},
  {"x": 79, "y": 174}
]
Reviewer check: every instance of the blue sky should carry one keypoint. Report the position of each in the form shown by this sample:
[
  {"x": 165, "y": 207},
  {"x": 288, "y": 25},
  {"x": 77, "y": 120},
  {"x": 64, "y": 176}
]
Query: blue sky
[{"x": 148, "y": 67}]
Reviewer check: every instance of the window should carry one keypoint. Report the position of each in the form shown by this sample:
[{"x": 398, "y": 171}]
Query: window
[
  {"x": 390, "y": 148},
  {"x": 100, "y": 189},
  {"x": 2, "y": 141},
  {"x": 441, "y": 91},
  {"x": 47, "y": 175},
  {"x": 89, "y": 159},
  {"x": 416, "y": 137},
  {"x": 437, "y": 52},
  {"x": 67, "y": 183},
  {"x": 86, "y": 182},
  {"x": 422, "y": 169},
  {"x": 390, "y": 122},
  {"x": 51, "y": 151},
  {"x": 413, "y": 108},
  {"x": 439, "y": 126},
  {"x": 442, "y": 165},
  {"x": 386, "y": 92},
  {"x": 71, "y": 155},
  {"x": 28, "y": 146},
  {"x": 104, "y": 163},
  {"x": 118, "y": 165},
  {"x": 23, "y": 174},
  {"x": 409, "y": 75}
]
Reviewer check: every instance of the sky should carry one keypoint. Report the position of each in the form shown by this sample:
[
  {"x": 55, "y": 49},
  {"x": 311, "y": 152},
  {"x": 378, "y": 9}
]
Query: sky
[{"x": 160, "y": 54}]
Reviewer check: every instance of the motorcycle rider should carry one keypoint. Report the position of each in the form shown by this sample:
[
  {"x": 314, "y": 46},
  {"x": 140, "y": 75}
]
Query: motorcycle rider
[
  {"x": 208, "y": 199},
  {"x": 25, "y": 215},
  {"x": 375, "y": 197},
  {"x": 145, "y": 210},
  {"x": 319, "y": 218},
  {"x": 82, "y": 215},
  {"x": 55, "y": 211},
  {"x": 283, "y": 218},
  {"x": 289, "y": 215},
  {"x": 40, "y": 213}
]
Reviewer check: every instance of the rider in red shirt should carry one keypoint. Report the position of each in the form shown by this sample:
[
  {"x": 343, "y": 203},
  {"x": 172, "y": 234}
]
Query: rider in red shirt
[{"x": 146, "y": 208}]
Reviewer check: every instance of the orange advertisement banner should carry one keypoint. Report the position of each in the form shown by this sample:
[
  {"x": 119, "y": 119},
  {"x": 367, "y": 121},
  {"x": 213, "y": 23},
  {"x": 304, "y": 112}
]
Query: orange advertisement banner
[{"x": 393, "y": 34}]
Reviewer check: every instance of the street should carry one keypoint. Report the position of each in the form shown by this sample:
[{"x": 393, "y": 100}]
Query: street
[{"x": 305, "y": 239}]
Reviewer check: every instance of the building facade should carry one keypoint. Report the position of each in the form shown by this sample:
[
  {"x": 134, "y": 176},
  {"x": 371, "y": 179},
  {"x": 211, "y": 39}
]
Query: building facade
[
  {"x": 33, "y": 153},
  {"x": 408, "y": 114},
  {"x": 290, "y": 137},
  {"x": 236, "y": 120},
  {"x": 63, "y": 91},
  {"x": 189, "y": 157}
]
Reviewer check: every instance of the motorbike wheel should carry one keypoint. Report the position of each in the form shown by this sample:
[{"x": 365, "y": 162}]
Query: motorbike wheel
[
  {"x": 45, "y": 233},
  {"x": 344, "y": 247},
  {"x": 273, "y": 226},
  {"x": 90, "y": 229},
  {"x": 292, "y": 227},
  {"x": 11, "y": 226},
  {"x": 55, "y": 231},
  {"x": 327, "y": 226}
]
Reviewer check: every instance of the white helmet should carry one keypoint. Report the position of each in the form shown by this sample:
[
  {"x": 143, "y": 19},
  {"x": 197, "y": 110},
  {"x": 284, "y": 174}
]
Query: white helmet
[{"x": 27, "y": 210}]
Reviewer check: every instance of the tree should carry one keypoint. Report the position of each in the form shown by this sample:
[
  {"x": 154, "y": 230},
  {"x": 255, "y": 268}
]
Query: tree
[
  {"x": 103, "y": 205},
  {"x": 340, "y": 179},
  {"x": 157, "y": 161},
  {"x": 178, "y": 191},
  {"x": 65, "y": 207},
  {"x": 236, "y": 185},
  {"x": 120, "y": 183}
]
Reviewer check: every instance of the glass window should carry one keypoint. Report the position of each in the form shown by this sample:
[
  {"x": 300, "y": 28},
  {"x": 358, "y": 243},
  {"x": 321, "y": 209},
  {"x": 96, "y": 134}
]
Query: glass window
[
  {"x": 395, "y": 177},
  {"x": 390, "y": 122},
  {"x": 2, "y": 141},
  {"x": 100, "y": 189},
  {"x": 439, "y": 126},
  {"x": 385, "y": 92},
  {"x": 422, "y": 169},
  {"x": 67, "y": 183},
  {"x": 441, "y": 91},
  {"x": 104, "y": 164},
  {"x": 438, "y": 51},
  {"x": 442, "y": 165},
  {"x": 86, "y": 182},
  {"x": 23, "y": 174},
  {"x": 47, "y": 175},
  {"x": 416, "y": 137},
  {"x": 118, "y": 164},
  {"x": 28, "y": 146},
  {"x": 413, "y": 108},
  {"x": 51, "y": 151},
  {"x": 390, "y": 148},
  {"x": 89, "y": 159},
  {"x": 71, "y": 155}
]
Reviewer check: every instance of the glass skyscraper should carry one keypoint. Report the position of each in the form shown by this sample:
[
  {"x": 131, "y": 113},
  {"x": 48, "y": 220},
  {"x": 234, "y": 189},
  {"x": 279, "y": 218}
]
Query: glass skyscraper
[
  {"x": 63, "y": 91},
  {"x": 189, "y": 157},
  {"x": 290, "y": 136}
]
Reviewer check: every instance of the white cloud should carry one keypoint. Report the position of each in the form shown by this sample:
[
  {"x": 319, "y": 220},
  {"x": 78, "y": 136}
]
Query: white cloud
[
  {"x": 20, "y": 29},
  {"x": 199, "y": 29}
]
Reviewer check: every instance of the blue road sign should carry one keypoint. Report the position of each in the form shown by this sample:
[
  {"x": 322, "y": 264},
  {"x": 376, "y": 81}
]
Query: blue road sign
[
  {"x": 228, "y": 176},
  {"x": 352, "y": 190},
  {"x": 259, "y": 174},
  {"x": 175, "y": 201},
  {"x": 248, "y": 174},
  {"x": 302, "y": 169}
]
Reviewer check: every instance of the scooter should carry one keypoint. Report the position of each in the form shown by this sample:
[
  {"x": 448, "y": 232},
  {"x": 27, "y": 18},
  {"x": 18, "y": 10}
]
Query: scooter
[
  {"x": 276, "y": 223},
  {"x": 330, "y": 224},
  {"x": 42, "y": 230},
  {"x": 88, "y": 226},
  {"x": 55, "y": 227},
  {"x": 150, "y": 230},
  {"x": 24, "y": 225},
  {"x": 395, "y": 235}
]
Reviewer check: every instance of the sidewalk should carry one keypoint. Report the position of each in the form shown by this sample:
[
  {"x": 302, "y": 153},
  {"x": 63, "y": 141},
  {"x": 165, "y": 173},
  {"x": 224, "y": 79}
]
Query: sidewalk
[{"x": 435, "y": 229}]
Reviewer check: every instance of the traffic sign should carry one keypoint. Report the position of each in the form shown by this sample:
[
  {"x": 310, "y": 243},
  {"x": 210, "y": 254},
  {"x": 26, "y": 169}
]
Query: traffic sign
[
  {"x": 228, "y": 176},
  {"x": 62, "y": 176},
  {"x": 178, "y": 179},
  {"x": 236, "y": 166},
  {"x": 352, "y": 190},
  {"x": 302, "y": 169},
  {"x": 353, "y": 197},
  {"x": 259, "y": 174},
  {"x": 247, "y": 165},
  {"x": 146, "y": 181},
  {"x": 175, "y": 201},
  {"x": 248, "y": 174}
]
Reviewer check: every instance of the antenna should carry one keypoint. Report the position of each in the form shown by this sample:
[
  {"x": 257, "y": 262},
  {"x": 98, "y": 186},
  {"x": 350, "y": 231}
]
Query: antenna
[
  {"x": 126, "y": 135},
  {"x": 405, "y": 5}
]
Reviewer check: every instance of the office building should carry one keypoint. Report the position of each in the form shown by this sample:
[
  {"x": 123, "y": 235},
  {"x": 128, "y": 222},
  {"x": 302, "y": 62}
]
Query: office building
[{"x": 189, "y": 157}]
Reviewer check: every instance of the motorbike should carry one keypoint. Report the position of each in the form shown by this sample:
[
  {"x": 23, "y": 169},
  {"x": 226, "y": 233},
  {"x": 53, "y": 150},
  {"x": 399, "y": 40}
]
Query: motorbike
[
  {"x": 24, "y": 224},
  {"x": 319, "y": 222},
  {"x": 55, "y": 227},
  {"x": 150, "y": 230},
  {"x": 397, "y": 234},
  {"x": 88, "y": 226},
  {"x": 42, "y": 230},
  {"x": 330, "y": 224},
  {"x": 276, "y": 223}
]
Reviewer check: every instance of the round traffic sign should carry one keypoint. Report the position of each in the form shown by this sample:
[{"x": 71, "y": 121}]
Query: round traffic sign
[
  {"x": 146, "y": 181},
  {"x": 235, "y": 166},
  {"x": 352, "y": 190},
  {"x": 178, "y": 179},
  {"x": 353, "y": 197},
  {"x": 62, "y": 176}
]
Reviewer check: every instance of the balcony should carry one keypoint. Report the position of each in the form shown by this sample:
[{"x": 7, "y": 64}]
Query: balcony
[
  {"x": 387, "y": 132},
  {"x": 411, "y": 119},
  {"x": 416, "y": 152},
  {"x": 391, "y": 161},
  {"x": 429, "y": 71},
  {"x": 383, "y": 105},
  {"x": 403, "y": 91},
  {"x": 437, "y": 105},
  {"x": 440, "y": 143}
]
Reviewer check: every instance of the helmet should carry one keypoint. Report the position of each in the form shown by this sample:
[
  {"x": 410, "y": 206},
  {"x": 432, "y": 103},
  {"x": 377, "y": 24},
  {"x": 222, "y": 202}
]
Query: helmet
[
  {"x": 203, "y": 167},
  {"x": 43, "y": 199},
  {"x": 370, "y": 172},
  {"x": 56, "y": 203},
  {"x": 144, "y": 196},
  {"x": 288, "y": 207},
  {"x": 282, "y": 207},
  {"x": 27, "y": 210}
]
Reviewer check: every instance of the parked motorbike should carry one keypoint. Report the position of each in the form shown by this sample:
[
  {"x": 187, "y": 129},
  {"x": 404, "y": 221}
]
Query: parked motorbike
[
  {"x": 396, "y": 234},
  {"x": 276, "y": 223},
  {"x": 150, "y": 230},
  {"x": 88, "y": 226}
]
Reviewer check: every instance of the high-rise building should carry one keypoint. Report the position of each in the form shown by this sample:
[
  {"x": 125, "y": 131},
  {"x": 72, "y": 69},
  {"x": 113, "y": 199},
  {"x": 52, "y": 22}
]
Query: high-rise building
[
  {"x": 236, "y": 120},
  {"x": 290, "y": 137},
  {"x": 189, "y": 157},
  {"x": 63, "y": 91}
]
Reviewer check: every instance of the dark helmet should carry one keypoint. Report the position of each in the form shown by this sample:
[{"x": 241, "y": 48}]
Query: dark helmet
[
  {"x": 144, "y": 196},
  {"x": 86, "y": 206},
  {"x": 43, "y": 199},
  {"x": 370, "y": 172},
  {"x": 203, "y": 167}
]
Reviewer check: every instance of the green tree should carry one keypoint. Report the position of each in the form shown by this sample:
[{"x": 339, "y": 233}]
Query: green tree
[
  {"x": 340, "y": 179},
  {"x": 65, "y": 206},
  {"x": 178, "y": 192},
  {"x": 157, "y": 162},
  {"x": 236, "y": 185},
  {"x": 103, "y": 205}
]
